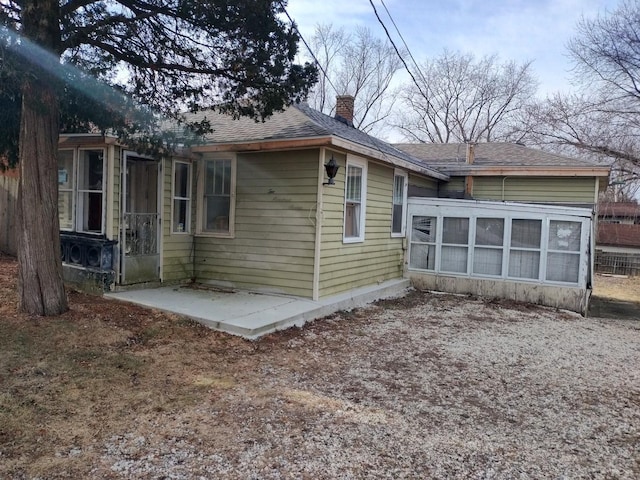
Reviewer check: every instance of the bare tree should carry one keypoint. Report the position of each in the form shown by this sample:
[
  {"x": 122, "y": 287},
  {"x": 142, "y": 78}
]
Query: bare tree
[
  {"x": 357, "y": 64},
  {"x": 457, "y": 98},
  {"x": 603, "y": 120}
]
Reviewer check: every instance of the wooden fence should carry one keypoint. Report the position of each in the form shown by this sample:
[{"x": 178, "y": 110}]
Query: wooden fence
[
  {"x": 617, "y": 263},
  {"x": 8, "y": 204}
]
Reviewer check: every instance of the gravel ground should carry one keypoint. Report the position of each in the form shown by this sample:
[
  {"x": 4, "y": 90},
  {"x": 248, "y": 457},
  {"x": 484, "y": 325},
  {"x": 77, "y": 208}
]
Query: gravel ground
[{"x": 430, "y": 386}]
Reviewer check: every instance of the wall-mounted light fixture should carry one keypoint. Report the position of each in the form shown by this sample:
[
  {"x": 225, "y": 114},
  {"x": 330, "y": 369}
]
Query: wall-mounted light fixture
[{"x": 332, "y": 170}]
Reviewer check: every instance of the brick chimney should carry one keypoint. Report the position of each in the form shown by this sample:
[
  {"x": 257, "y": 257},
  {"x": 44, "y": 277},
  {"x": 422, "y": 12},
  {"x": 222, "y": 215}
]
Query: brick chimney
[{"x": 344, "y": 108}]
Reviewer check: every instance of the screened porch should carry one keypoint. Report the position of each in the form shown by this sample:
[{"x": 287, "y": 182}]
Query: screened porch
[{"x": 536, "y": 253}]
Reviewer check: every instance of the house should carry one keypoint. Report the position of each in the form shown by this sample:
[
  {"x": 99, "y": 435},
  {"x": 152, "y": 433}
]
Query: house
[
  {"x": 618, "y": 240},
  {"x": 512, "y": 172},
  {"x": 625, "y": 213},
  {"x": 261, "y": 206},
  {"x": 250, "y": 208}
]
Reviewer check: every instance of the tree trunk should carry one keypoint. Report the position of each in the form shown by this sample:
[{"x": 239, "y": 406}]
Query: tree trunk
[{"x": 40, "y": 283}]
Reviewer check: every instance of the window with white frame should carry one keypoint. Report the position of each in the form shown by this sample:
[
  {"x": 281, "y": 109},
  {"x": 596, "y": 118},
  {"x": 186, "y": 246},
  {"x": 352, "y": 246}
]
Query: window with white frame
[
  {"x": 455, "y": 241},
  {"x": 423, "y": 243},
  {"x": 355, "y": 196},
  {"x": 181, "y": 197},
  {"x": 218, "y": 195},
  {"x": 66, "y": 176},
  {"x": 524, "y": 255},
  {"x": 398, "y": 216},
  {"x": 81, "y": 189},
  {"x": 488, "y": 246},
  {"x": 563, "y": 251},
  {"x": 539, "y": 249}
]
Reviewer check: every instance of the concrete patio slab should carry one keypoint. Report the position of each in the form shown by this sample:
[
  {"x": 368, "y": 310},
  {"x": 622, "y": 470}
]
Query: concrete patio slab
[{"x": 250, "y": 314}]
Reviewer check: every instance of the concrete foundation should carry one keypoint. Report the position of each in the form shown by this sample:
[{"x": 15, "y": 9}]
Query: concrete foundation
[{"x": 568, "y": 298}]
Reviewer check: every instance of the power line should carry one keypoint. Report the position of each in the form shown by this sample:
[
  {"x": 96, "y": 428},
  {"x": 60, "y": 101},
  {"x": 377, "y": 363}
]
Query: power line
[
  {"x": 406, "y": 67},
  {"x": 415, "y": 64},
  {"x": 293, "y": 24}
]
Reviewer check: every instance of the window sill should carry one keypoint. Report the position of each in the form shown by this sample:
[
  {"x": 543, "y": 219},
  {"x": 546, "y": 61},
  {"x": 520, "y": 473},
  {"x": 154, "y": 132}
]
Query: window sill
[
  {"x": 398, "y": 235},
  {"x": 353, "y": 240},
  {"x": 214, "y": 235}
]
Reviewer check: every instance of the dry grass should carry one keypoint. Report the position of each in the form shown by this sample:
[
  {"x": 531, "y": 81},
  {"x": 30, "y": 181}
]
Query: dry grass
[
  {"x": 617, "y": 287},
  {"x": 426, "y": 386}
]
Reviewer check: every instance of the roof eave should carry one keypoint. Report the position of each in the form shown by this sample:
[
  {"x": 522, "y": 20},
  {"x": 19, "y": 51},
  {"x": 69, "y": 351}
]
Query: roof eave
[
  {"x": 393, "y": 160},
  {"x": 564, "y": 171},
  {"x": 311, "y": 142}
]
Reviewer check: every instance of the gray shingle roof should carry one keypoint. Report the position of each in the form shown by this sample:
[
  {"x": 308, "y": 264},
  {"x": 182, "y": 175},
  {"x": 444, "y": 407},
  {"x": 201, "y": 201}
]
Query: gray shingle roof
[
  {"x": 451, "y": 157},
  {"x": 297, "y": 122}
]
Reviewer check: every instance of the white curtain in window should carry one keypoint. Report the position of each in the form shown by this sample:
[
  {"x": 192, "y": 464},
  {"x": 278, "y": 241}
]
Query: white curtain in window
[
  {"x": 423, "y": 257},
  {"x": 352, "y": 220},
  {"x": 563, "y": 267},
  {"x": 487, "y": 261},
  {"x": 490, "y": 231},
  {"x": 455, "y": 231},
  {"x": 526, "y": 233},
  {"x": 524, "y": 264},
  {"x": 453, "y": 259}
]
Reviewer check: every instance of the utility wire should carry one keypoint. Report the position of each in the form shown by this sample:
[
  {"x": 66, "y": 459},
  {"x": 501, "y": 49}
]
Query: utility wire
[
  {"x": 406, "y": 67},
  {"x": 293, "y": 24},
  {"x": 415, "y": 64}
]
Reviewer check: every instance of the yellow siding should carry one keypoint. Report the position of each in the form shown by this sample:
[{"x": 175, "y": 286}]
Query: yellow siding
[
  {"x": 344, "y": 266},
  {"x": 454, "y": 185},
  {"x": 422, "y": 186},
  {"x": 117, "y": 197},
  {"x": 177, "y": 259},
  {"x": 273, "y": 246},
  {"x": 536, "y": 189}
]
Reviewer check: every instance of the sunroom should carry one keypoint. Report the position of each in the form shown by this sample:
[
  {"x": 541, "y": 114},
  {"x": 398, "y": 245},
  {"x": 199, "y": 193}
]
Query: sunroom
[{"x": 525, "y": 252}]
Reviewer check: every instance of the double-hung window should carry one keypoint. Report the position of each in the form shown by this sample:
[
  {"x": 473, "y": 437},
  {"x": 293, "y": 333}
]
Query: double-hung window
[
  {"x": 81, "y": 189},
  {"x": 218, "y": 196},
  {"x": 355, "y": 200},
  {"x": 398, "y": 215},
  {"x": 66, "y": 181},
  {"x": 181, "y": 213}
]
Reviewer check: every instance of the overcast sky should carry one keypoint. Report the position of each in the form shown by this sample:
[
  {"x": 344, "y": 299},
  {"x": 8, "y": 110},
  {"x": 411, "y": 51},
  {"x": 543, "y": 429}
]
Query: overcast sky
[{"x": 518, "y": 30}]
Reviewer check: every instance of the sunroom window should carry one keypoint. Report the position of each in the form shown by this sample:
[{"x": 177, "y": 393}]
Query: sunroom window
[
  {"x": 563, "y": 251},
  {"x": 488, "y": 249},
  {"x": 423, "y": 243},
  {"x": 455, "y": 241},
  {"x": 539, "y": 249},
  {"x": 524, "y": 256}
]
